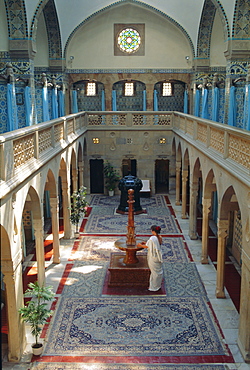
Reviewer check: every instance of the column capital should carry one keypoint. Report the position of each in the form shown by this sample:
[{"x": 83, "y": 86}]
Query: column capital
[
  {"x": 54, "y": 203},
  {"x": 178, "y": 165},
  {"x": 222, "y": 228}
]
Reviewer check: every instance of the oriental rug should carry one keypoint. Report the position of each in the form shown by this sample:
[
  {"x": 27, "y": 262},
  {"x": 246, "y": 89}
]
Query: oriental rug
[
  {"x": 135, "y": 326},
  {"x": 85, "y": 279},
  {"x": 183, "y": 280},
  {"x": 100, "y": 247},
  {"x": 118, "y": 224},
  {"x": 102, "y": 200},
  {"x": 98, "y": 366}
]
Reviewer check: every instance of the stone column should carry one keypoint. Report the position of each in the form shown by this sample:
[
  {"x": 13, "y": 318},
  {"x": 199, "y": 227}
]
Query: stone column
[
  {"x": 81, "y": 167},
  {"x": 193, "y": 211},
  {"x": 221, "y": 253},
  {"x": 66, "y": 212},
  {"x": 150, "y": 97},
  {"x": 16, "y": 334},
  {"x": 108, "y": 96},
  {"x": 206, "y": 209},
  {"x": 55, "y": 229},
  {"x": 74, "y": 179},
  {"x": 244, "y": 332},
  {"x": 39, "y": 251},
  {"x": 184, "y": 193},
  {"x": 178, "y": 183}
]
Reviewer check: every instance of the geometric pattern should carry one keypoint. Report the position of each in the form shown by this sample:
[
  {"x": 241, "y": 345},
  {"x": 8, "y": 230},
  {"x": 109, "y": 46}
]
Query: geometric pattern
[
  {"x": 85, "y": 279},
  {"x": 241, "y": 25},
  {"x": 100, "y": 248},
  {"x": 205, "y": 30},
  {"x": 182, "y": 280},
  {"x": 118, "y": 224},
  {"x": 53, "y": 30},
  {"x": 134, "y": 326},
  {"x": 102, "y": 200}
]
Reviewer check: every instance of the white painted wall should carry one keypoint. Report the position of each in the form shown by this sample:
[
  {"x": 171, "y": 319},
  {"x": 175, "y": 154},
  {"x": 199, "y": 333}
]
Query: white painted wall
[
  {"x": 185, "y": 12},
  {"x": 4, "y": 43},
  {"x": 93, "y": 44},
  {"x": 42, "y": 55},
  {"x": 218, "y": 46}
]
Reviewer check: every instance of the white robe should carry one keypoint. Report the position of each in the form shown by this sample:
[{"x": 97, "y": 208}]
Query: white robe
[{"x": 154, "y": 258}]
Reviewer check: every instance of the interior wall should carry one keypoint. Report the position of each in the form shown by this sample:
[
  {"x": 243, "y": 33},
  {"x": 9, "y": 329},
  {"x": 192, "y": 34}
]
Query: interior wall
[
  {"x": 218, "y": 47},
  {"x": 42, "y": 48},
  {"x": 92, "y": 46},
  {"x": 4, "y": 43}
]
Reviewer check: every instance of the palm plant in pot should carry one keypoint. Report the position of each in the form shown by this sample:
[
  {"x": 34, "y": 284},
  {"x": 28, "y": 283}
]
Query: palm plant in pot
[
  {"x": 111, "y": 177},
  {"x": 35, "y": 312},
  {"x": 78, "y": 206}
]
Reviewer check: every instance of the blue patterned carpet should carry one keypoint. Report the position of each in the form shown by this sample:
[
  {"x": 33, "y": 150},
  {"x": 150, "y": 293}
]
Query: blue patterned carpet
[
  {"x": 183, "y": 280},
  {"x": 118, "y": 224},
  {"x": 100, "y": 247},
  {"x": 102, "y": 200},
  {"x": 89, "y": 324},
  {"x": 86, "y": 279},
  {"x": 134, "y": 326}
]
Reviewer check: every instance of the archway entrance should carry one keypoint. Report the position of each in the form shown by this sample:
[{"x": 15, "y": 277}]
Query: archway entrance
[
  {"x": 162, "y": 176},
  {"x": 96, "y": 176},
  {"x": 129, "y": 167}
]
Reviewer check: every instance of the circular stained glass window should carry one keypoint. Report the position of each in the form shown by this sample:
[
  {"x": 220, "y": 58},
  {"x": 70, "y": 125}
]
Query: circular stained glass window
[{"x": 129, "y": 40}]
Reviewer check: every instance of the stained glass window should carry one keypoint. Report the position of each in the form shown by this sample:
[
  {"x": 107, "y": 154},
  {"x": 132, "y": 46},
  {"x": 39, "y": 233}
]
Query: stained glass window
[{"x": 129, "y": 40}]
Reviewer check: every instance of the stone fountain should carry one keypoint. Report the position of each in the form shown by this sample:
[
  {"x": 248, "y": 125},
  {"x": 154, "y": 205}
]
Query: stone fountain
[
  {"x": 129, "y": 244},
  {"x": 128, "y": 269}
]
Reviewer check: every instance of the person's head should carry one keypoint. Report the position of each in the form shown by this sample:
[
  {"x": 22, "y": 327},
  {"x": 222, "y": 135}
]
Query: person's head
[{"x": 156, "y": 229}]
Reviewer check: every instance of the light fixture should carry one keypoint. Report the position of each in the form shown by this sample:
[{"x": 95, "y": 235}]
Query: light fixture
[
  {"x": 96, "y": 140},
  {"x": 71, "y": 57},
  {"x": 163, "y": 140},
  {"x": 187, "y": 57}
]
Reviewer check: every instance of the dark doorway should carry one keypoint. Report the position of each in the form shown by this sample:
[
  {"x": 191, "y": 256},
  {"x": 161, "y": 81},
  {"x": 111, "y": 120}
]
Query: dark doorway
[
  {"x": 162, "y": 176},
  {"x": 96, "y": 176},
  {"x": 129, "y": 167}
]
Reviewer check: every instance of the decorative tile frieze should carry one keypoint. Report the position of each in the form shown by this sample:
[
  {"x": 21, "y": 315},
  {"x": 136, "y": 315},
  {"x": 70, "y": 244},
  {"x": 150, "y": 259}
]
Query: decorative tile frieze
[
  {"x": 241, "y": 24},
  {"x": 16, "y": 18}
]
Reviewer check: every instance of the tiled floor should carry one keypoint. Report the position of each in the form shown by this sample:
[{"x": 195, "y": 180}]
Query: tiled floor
[{"x": 224, "y": 309}]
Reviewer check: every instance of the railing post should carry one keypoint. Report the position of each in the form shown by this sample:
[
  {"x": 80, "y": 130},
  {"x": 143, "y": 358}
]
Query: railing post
[
  {"x": 226, "y": 145},
  {"x": 53, "y": 136},
  {"x": 208, "y": 136},
  {"x": 129, "y": 119},
  {"x": 195, "y": 136},
  {"x": 86, "y": 119},
  {"x": 36, "y": 144},
  {"x": 65, "y": 129}
]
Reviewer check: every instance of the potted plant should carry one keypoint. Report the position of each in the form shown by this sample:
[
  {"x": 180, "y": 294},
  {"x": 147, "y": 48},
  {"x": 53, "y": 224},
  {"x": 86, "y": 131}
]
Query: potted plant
[
  {"x": 35, "y": 312},
  {"x": 111, "y": 177},
  {"x": 78, "y": 206}
]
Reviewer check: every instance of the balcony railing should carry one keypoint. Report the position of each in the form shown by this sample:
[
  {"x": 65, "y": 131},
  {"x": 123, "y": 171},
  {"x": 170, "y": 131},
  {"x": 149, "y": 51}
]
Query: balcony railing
[{"x": 26, "y": 150}]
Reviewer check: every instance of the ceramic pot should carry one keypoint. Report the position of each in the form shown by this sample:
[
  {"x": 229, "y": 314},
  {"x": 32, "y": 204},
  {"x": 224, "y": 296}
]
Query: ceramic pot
[{"x": 37, "y": 349}]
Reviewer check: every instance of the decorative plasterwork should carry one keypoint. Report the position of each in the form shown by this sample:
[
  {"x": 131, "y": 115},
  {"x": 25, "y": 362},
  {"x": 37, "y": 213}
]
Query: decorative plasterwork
[
  {"x": 241, "y": 21},
  {"x": 206, "y": 26},
  {"x": 17, "y": 19},
  {"x": 53, "y": 30}
]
